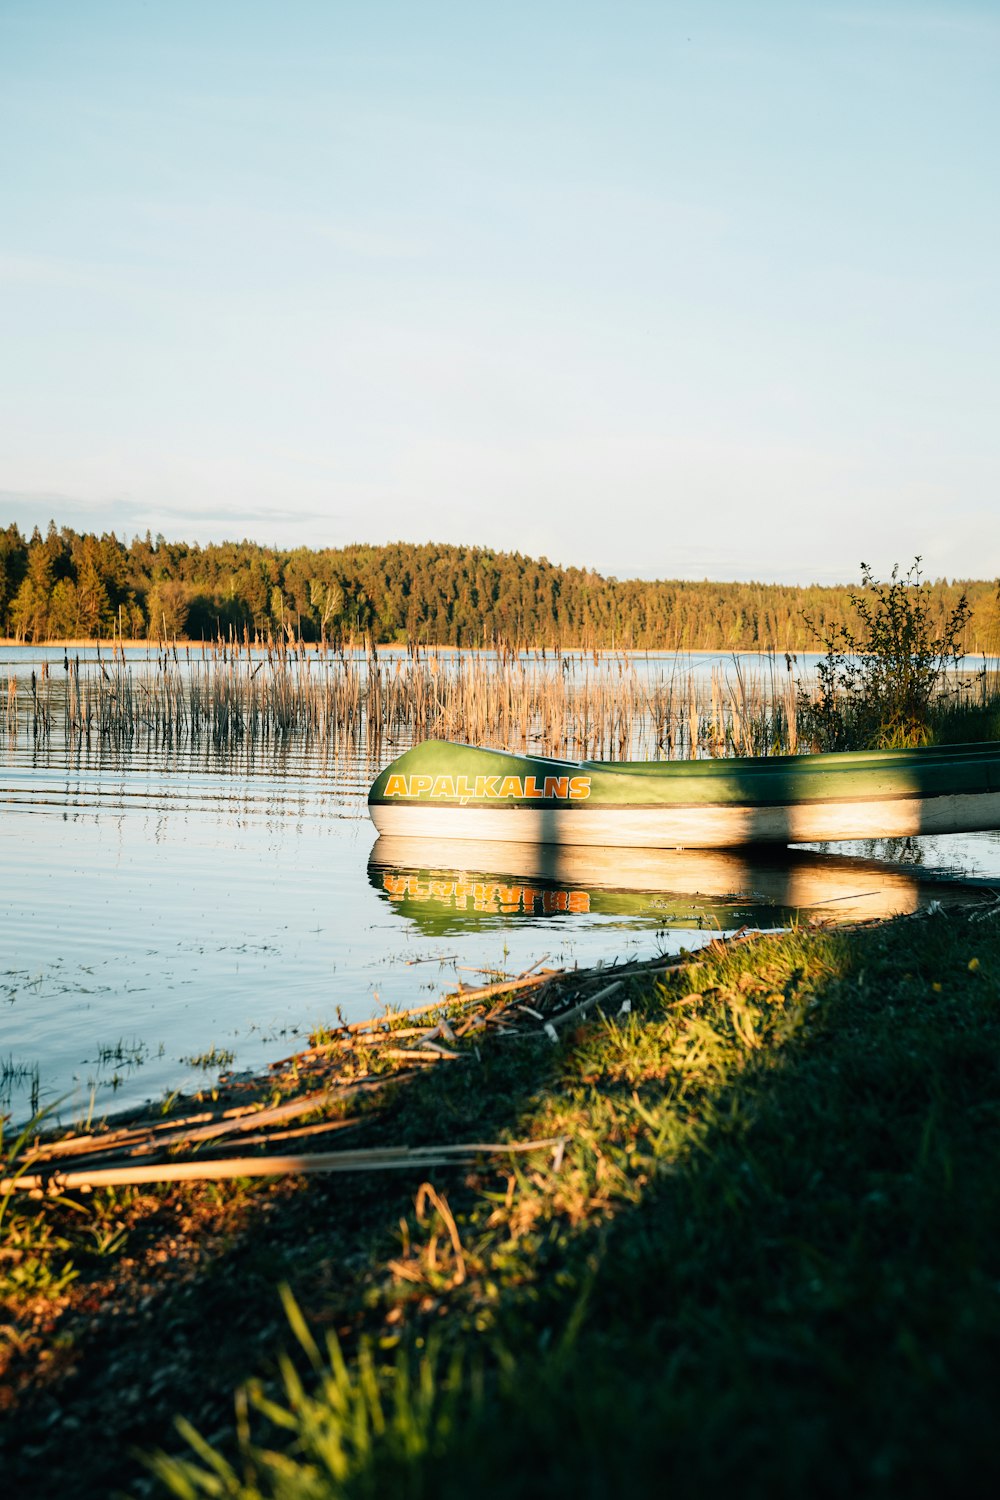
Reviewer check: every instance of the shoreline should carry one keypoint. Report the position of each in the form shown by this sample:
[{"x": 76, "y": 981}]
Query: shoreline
[
  {"x": 400, "y": 648},
  {"x": 655, "y": 1174},
  {"x": 250, "y": 1096},
  {"x": 975, "y": 661}
]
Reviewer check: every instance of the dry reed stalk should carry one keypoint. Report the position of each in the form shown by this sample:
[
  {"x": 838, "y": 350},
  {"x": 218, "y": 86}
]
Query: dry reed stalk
[
  {"x": 573, "y": 705},
  {"x": 567, "y": 706},
  {"x": 458, "y": 997},
  {"x": 567, "y": 1017},
  {"x": 428, "y": 1194},
  {"x": 153, "y": 1138},
  {"x": 414, "y": 1054},
  {"x": 323, "y": 1127},
  {"x": 384, "y": 1159},
  {"x": 82, "y": 1144},
  {"x": 348, "y": 1044}
]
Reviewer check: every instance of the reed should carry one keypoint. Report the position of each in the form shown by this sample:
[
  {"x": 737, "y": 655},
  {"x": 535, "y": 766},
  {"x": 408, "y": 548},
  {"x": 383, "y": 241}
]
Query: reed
[{"x": 575, "y": 705}]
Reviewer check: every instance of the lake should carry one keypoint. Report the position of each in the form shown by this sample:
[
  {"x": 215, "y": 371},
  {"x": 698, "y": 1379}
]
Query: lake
[{"x": 170, "y": 912}]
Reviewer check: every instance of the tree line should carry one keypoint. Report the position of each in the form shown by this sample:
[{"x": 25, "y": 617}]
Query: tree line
[{"x": 67, "y": 585}]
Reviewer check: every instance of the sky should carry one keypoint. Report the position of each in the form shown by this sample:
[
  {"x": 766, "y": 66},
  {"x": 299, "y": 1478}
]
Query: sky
[{"x": 663, "y": 289}]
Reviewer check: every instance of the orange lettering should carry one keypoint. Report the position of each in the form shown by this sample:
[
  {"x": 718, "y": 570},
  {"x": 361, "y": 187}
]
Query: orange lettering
[
  {"x": 485, "y": 897},
  {"x": 557, "y": 786},
  {"x": 579, "y": 788},
  {"x": 486, "y": 786},
  {"x": 530, "y": 787},
  {"x": 511, "y": 787}
]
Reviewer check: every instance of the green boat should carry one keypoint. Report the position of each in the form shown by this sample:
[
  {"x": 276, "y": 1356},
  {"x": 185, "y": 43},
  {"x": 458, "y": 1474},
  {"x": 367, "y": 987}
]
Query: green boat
[{"x": 444, "y": 790}]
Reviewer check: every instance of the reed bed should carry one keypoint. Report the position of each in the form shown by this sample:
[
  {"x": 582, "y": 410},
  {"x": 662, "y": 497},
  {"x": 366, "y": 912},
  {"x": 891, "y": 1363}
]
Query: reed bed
[{"x": 608, "y": 707}]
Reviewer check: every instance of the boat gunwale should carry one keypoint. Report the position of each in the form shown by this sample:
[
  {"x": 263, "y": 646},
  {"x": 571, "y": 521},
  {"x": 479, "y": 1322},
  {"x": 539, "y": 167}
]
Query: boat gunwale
[
  {"x": 847, "y": 777},
  {"x": 813, "y": 761}
]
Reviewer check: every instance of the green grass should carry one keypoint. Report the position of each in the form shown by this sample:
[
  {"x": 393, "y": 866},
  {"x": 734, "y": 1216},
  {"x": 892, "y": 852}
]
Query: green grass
[
  {"x": 768, "y": 1262},
  {"x": 215, "y": 1058},
  {"x": 967, "y": 723},
  {"x": 41, "y": 1243}
]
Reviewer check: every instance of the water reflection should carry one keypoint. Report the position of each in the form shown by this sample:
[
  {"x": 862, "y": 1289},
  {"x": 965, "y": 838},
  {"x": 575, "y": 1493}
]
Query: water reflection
[
  {"x": 164, "y": 904},
  {"x": 449, "y": 886}
]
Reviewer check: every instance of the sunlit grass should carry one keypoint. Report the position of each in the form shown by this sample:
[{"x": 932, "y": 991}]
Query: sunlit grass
[{"x": 766, "y": 1261}]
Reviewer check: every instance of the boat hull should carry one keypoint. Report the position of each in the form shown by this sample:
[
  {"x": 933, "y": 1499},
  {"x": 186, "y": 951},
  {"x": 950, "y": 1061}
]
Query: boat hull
[
  {"x": 460, "y": 792},
  {"x": 698, "y": 828}
]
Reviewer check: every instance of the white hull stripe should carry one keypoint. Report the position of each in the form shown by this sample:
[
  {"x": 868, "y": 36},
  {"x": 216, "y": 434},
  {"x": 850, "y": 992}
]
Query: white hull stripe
[{"x": 712, "y": 826}]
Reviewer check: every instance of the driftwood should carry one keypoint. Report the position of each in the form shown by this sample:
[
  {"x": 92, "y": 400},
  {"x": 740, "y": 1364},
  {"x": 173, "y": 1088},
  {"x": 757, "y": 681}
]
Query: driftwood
[
  {"x": 76, "y": 1145},
  {"x": 351, "y": 1043},
  {"x": 156, "y": 1138},
  {"x": 461, "y": 996},
  {"x": 387, "y": 1159},
  {"x": 579, "y": 1011},
  {"x": 322, "y": 1127},
  {"x": 379, "y": 1029},
  {"x": 112, "y": 1157},
  {"x": 428, "y": 1054}
]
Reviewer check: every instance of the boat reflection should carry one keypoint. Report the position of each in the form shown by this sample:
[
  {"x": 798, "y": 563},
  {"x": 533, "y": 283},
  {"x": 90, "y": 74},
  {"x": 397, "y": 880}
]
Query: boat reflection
[{"x": 450, "y": 886}]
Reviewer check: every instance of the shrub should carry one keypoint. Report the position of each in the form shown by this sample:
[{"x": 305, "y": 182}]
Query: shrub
[{"x": 877, "y": 682}]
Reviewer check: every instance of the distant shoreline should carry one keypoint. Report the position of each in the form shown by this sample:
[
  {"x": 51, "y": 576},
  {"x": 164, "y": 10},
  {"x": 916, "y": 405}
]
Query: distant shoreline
[{"x": 400, "y": 648}]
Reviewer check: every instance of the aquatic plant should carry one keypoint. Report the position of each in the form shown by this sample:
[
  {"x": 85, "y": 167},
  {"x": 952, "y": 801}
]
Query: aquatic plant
[{"x": 575, "y": 705}]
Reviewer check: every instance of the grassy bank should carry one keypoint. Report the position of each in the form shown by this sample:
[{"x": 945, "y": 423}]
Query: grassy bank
[{"x": 766, "y": 1259}]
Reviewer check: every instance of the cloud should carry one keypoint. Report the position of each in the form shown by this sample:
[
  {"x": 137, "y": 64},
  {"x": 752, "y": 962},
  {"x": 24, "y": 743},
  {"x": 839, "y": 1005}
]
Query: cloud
[{"x": 126, "y": 516}]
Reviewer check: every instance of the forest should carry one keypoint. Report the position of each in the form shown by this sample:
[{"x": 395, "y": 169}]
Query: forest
[{"x": 67, "y": 585}]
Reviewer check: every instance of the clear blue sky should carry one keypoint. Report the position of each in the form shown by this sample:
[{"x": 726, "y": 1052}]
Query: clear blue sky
[{"x": 666, "y": 289}]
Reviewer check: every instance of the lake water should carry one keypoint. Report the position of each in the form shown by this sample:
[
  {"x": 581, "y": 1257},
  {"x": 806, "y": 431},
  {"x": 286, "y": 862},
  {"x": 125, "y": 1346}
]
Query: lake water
[{"x": 169, "y": 912}]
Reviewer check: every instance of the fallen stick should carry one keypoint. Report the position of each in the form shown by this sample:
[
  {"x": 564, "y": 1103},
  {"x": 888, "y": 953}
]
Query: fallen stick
[
  {"x": 504, "y": 987},
  {"x": 580, "y": 1010},
  {"x": 207, "y": 1148},
  {"x": 392, "y": 1158},
  {"x": 144, "y": 1144},
  {"x": 474, "y": 1022},
  {"x": 82, "y": 1145},
  {"x": 717, "y": 948},
  {"x": 457, "y": 997},
  {"x": 324, "y": 1127},
  {"x": 427, "y": 1055},
  {"x": 349, "y": 1043}
]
